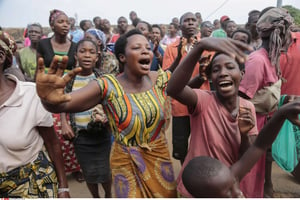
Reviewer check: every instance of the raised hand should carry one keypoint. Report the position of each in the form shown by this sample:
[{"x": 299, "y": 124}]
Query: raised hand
[
  {"x": 203, "y": 64},
  {"x": 245, "y": 120},
  {"x": 232, "y": 48},
  {"x": 50, "y": 86}
]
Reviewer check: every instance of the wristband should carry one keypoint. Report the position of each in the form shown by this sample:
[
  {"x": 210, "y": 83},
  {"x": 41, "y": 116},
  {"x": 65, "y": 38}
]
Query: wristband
[{"x": 61, "y": 190}]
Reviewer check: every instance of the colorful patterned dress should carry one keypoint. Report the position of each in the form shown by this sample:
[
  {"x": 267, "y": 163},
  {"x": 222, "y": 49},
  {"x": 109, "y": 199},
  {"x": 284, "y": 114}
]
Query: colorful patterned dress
[{"x": 140, "y": 160}]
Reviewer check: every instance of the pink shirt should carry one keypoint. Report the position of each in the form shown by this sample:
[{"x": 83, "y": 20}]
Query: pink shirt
[
  {"x": 289, "y": 64},
  {"x": 259, "y": 72},
  {"x": 170, "y": 55},
  {"x": 214, "y": 132}
]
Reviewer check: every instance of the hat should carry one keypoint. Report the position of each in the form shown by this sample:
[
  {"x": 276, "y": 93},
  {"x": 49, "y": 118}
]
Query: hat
[{"x": 224, "y": 18}]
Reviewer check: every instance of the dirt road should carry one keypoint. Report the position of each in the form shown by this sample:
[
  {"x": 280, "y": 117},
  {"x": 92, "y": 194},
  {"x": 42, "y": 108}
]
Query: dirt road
[{"x": 285, "y": 185}]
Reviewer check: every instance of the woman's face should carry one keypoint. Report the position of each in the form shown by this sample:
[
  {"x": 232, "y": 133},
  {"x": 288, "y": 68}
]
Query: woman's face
[
  {"x": 61, "y": 25},
  {"x": 94, "y": 39},
  {"x": 156, "y": 34},
  {"x": 138, "y": 55},
  {"x": 225, "y": 75},
  {"x": 87, "y": 55},
  {"x": 240, "y": 36},
  {"x": 172, "y": 30},
  {"x": 144, "y": 29}
]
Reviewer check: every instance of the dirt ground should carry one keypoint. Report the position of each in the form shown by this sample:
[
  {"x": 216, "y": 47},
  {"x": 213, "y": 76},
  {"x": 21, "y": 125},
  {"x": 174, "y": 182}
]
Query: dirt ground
[{"x": 285, "y": 185}]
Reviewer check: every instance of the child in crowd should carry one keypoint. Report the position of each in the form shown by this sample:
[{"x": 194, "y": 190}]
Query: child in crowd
[
  {"x": 91, "y": 139},
  {"x": 208, "y": 177},
  {"x": 222, "y": 123}
]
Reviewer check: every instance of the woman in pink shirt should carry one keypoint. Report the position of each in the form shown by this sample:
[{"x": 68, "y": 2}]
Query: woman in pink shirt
[{"x": 217, "y": 117}]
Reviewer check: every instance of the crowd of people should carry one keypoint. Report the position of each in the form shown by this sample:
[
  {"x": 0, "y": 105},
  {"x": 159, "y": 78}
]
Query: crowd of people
[{"x": 98, "y": 102}]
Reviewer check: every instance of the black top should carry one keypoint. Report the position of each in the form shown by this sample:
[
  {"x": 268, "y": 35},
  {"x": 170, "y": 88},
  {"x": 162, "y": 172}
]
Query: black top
[{"x": 46, "y": 51}]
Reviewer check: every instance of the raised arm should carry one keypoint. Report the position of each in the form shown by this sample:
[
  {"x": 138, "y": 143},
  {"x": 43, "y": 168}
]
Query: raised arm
[
  {"x": 177, "y": 86},
  {"x": 266, "y": 137},
  {"x": 50, "y": 88}
]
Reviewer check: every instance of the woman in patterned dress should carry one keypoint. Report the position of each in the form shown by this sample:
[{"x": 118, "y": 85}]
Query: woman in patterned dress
[{"x": 134, "y": 103}]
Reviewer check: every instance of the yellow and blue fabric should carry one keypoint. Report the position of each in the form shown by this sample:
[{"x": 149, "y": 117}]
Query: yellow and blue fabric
[{"x": 33, "y": 180}]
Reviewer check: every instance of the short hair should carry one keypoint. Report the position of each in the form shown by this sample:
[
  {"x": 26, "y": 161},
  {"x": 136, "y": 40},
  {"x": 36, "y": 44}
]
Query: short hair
[
  {"x": 208, "y": 69},
  {"x": 95, "y": 18},
  {"x": 206, "y": 22},
  {"x": 121, "y": 43},
  {"x": 157, "y": 26},
  {"x": 36, "y": 24},
  {"x": 82, "y": 23},
  {"x": 242, "y": 30},
  {"x": 175, "y": 25},
  {"x": 86, "y": 40},
  {"x": 198, "y": 173},
  {"x": 122, "y": 17},
  {"x": 183, "y": 16},
  {"x": 148, "y": 25}
]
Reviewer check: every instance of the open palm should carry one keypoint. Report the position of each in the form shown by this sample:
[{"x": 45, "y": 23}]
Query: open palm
[{"x": 50, "y": 86}]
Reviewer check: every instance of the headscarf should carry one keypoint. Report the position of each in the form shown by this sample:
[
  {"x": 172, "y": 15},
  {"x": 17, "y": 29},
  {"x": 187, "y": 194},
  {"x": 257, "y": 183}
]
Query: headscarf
[
  {"x": 54, "y": 14},
  {"x": 9, "y": 46},
  {"x": 99, "y": 35},
  {"x": 276, "y": 24}
]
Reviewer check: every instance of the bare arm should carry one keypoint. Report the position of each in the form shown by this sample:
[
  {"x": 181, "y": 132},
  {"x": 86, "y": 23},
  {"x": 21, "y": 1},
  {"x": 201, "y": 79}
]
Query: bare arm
[
  {"x": 66, "y": 129},
  {"x": 50, "y": 88},
  {"x": 266, "y": 137},
  {"x": 177, "y": 86},
  {"x": 54, "y": 149}
]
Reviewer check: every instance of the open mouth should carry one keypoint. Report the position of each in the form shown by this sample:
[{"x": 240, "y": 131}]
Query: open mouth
[
  {"x": 86, "y": 62},
  {"x": 145, "y": 61},
  {"x": 225, "y": 84}
]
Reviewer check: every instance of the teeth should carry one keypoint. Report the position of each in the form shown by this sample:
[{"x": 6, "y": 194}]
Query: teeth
[{"x": 224, "y": 82}]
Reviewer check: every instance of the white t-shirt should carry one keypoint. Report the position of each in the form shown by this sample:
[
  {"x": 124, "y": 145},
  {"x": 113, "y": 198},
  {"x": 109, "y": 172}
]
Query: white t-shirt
[{"x": 20, "y": 141}]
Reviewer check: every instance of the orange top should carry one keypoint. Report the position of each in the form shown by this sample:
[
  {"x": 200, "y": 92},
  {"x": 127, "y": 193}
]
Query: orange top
[{"x": 170, "y": 55}]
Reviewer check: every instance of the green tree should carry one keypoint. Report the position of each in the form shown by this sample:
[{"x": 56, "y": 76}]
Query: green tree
[{"x": 295, "y": 13}]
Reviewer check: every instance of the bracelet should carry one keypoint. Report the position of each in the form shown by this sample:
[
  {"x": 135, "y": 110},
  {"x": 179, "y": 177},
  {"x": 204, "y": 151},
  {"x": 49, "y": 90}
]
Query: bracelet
[{"x": 61, "y": 190}]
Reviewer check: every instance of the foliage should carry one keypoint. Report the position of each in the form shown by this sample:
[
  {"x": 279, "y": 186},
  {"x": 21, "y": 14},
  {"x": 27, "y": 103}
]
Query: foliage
[{"x": 295, "y": 13}]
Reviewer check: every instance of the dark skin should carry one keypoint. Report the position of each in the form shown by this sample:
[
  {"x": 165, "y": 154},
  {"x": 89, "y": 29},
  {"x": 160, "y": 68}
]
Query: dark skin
[
  {"x": 34, "y": 34},
  {"x": 134, "y": 79},
  {"x": 60, "y": 41},
  {"x": 179, "y": 89},
  {"x": 267, "y": 136},
  {"x": 233, "y": 175},
  {"x": 54, "y": 149},
  {"x": 51, "y": 141}
]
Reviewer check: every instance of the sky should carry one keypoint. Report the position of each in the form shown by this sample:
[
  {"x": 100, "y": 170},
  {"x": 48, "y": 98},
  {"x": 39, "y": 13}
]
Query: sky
[{"x": 19, "y": 13}]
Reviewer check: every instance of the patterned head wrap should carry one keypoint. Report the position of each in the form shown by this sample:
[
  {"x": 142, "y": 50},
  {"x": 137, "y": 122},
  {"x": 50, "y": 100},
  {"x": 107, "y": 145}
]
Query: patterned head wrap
[
  {"x": 99, "y": 35},
  {"x": 54, "y": 14},
  {"x": 9, "y": 46},
  {"x": 276, "y": 24}
]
